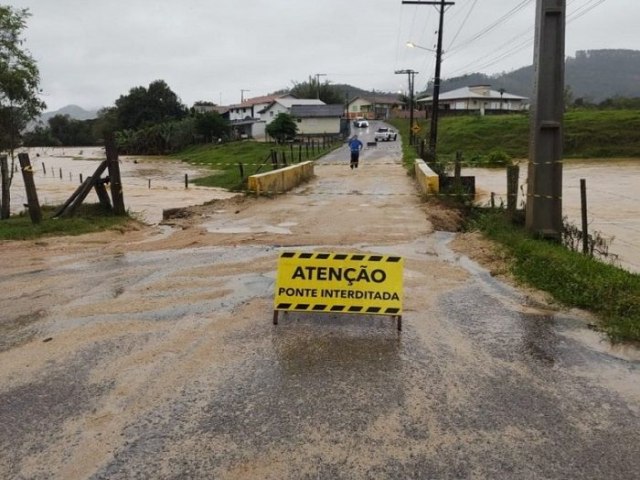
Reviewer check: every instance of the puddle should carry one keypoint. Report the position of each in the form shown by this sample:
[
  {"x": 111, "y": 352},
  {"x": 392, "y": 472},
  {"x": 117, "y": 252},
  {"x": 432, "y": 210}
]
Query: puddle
[{"x": 281, "y": 229}]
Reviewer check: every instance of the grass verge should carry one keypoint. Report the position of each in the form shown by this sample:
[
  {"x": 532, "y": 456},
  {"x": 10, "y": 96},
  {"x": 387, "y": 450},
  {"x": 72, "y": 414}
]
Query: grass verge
[
  {"x": 253, "y": 156},
  {"x": 573, "y": 279},
  {"x": 587, "y": 134},
  {"x": 88, "y": 219}
]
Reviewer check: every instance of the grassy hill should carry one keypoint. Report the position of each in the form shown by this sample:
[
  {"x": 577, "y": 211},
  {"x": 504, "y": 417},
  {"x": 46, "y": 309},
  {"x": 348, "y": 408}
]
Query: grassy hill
[{"x": 588, "y": 134}]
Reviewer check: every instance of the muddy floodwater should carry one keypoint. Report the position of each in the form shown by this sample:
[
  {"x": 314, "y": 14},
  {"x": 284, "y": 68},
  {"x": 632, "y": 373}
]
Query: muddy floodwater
[
  {"x": 613, "y": 200},
  {"x": 150, "y": 184}
]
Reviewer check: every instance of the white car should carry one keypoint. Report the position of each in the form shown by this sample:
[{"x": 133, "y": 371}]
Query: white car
[
  {"x": 384, "y": 134},
  {"x": 362, "y": 124}
]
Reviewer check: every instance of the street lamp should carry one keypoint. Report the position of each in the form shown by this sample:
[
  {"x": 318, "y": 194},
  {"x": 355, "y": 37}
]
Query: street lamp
[{"x": 413, "y": 45}]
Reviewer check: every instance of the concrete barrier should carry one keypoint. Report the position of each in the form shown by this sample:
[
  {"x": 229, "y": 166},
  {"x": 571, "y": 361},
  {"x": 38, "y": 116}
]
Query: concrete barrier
[
  {"x": 428, "y": 180},
  {"x": 281, "y": 180}
]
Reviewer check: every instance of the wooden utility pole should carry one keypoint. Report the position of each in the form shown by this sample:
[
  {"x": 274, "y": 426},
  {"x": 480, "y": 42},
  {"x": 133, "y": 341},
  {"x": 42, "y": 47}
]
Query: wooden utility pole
[
  {"x": 544, "y": 187},
  {"x": 32, "y": 195},
  {"x": 433, "y": 133}
]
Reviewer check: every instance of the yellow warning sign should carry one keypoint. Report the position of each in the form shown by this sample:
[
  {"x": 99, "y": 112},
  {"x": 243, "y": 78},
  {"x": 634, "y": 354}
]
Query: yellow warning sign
[
  {"x": 339, "y": 283},
  {"x": 416, "y": 128}
]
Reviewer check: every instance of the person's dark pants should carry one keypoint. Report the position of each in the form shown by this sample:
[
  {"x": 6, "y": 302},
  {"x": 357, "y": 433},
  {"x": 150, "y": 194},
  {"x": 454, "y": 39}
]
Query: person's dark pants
[{"x": 355, "y": 156}]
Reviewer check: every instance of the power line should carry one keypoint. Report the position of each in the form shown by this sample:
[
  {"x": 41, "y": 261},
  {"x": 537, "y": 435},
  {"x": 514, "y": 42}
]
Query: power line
[
  {"x": 492, "y": 26},
  {"x": 498, "y": 55},
  {"x": 462, "y": 24}
]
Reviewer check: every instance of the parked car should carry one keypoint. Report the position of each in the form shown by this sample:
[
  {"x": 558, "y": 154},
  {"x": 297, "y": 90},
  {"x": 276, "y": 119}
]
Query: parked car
[
  {"x": 384, "y": 134},
  {"x": 362, "y": 124}
]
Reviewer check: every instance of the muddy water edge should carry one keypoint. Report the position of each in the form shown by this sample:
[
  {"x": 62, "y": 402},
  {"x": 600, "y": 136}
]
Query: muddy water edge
[{"x": 613, "y": 201}]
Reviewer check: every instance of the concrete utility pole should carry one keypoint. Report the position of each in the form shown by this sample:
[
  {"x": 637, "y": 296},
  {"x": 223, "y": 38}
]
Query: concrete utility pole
[
  {"x": 318, "y": 75},
  {"x": 544, "y": 188},
  {"x": 411, "y": 75},
  {"x": 433, "y": 134}
]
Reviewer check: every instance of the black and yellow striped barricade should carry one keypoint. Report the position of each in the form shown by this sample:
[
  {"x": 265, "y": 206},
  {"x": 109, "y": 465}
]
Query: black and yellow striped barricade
[{"x": 339, "y": 283}]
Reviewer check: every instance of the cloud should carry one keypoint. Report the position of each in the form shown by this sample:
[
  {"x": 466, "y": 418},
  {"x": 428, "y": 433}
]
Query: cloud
[{"x": 89, "y": 52}]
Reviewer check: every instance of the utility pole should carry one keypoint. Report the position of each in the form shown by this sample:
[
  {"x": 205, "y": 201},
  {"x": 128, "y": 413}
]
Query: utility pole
[
  {"x": 411, "y": 76},
  {"x": 433, "y": 134},
  {"x": 544, "y": 187},
  {"x": 318, "y": 75},
  {"x": 242, "y": 90}
]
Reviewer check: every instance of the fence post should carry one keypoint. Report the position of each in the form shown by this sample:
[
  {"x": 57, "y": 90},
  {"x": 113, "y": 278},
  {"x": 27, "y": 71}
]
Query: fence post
[
  {"x": 241, "y": 170},
  {"x": 299, "y": 152},
  {"x": 186, "y": 180},
  {"x": 32, "y": 195},
  {"x": 457, "y": 181},
  {"x": 274, "y": 159},
  {"x": 585, "y": 224},
  {"x": 5, "y": 211},
  {"x": 117, "y": 196},
  {"x": 493, "y": 200},
  {"x": 513, "y": 174}
]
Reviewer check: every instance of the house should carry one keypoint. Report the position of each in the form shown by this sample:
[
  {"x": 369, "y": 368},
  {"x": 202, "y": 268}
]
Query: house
[
  {"x": 478, "y": 99},
  {"x": 284, "y": 105},
  {"x": 318, "y": 119},
  {"x": 245, "y": 118},
  {"x": 374, "y": 107}
]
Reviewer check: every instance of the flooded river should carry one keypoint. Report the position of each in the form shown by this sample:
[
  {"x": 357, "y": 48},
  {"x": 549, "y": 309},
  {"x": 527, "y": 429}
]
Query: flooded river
[
  {"x": 613, "y": 200},
  {"x": 150, "y": 184}
]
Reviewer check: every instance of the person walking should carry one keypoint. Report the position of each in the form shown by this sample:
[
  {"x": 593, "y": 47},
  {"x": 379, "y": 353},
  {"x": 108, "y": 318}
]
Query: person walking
[{"x": 355, "y": 146}]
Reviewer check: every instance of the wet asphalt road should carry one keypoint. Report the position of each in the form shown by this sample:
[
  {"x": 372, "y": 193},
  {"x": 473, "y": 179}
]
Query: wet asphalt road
[{"x": 151, "y": 362}]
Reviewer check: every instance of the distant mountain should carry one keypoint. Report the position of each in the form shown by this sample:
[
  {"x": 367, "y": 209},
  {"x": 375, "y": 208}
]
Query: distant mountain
[
  {"x": 74, "y": 111},
  {"x": 593, "y": 75}
]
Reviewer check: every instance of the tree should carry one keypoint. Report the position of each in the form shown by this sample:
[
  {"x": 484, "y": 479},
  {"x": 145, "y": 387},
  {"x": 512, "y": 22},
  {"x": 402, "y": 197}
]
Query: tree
[
  {"x": 211, "y": 126},
  {"x": 283, "y": 128},
  {"x": 144, "y": 107},
  {"x": 329, "y": 94},
  {"x": 19, "y": 89}
]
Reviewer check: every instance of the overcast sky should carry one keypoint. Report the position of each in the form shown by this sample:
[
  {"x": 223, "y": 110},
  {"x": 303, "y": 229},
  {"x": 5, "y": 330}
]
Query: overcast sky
[{"x": 92, "y": 51}]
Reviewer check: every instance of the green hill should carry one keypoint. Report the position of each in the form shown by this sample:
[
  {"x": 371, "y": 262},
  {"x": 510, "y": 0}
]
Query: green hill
[{"x": 593, "y": 75}]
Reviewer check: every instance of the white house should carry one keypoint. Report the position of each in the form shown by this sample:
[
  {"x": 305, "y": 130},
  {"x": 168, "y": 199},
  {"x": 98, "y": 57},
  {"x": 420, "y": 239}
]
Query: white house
[
  {"x": 478, "y": 99},
  {"x": 318, "y": 119},
  {"x": 251, "y": 107},
  {"x": 284, "y": 105},
  {"x": 245, "y": 119}
]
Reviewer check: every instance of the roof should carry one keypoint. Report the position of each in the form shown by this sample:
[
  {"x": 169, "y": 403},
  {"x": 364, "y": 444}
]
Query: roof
[
  {"x": 249, "y": 102},
  {"x": 289, "y": 102},
  {"x": 388, "y": 99},
  {"x": 317, "y": 111},
  {"x": 467, "y": 92}
]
